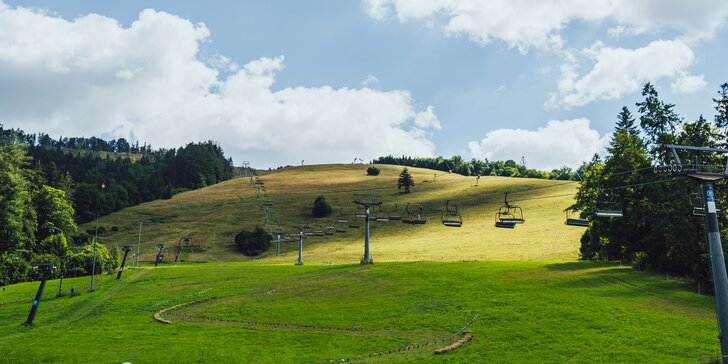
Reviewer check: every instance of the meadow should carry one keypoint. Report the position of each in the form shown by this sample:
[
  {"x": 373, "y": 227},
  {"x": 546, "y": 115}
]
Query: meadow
[
  {"x": 521, "y": 294},
  {"x": 211, "y": 217},
  {"x": 280, "y": 313}
]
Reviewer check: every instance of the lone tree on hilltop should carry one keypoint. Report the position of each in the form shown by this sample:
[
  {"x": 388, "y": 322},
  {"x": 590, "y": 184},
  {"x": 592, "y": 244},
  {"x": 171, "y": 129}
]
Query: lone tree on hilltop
[{"x": 405, "y": 180}]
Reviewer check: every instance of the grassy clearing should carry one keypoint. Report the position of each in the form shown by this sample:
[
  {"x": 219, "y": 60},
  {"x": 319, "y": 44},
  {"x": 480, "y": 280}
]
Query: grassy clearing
[
  {"x": 213, "y": 215},
  {"x": 529, "y": 312}
]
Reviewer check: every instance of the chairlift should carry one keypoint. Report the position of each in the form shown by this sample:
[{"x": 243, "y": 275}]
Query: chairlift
[
  {"x": 573, "y": 218},
  {"x": 380, "y": 216},
  {"x": 499, "y": 223},
  {"x": 509, "y": 214},
  {"x": 318, "y": 230},
  {"x": 329, "y": 229},
  {"x": 451, "y": 216},
  {"x": 415, "y": 217},
  {"x": 394, "y": 215},
  {"x": 608, "y": 207},
  {"x": 340, "y": 228},
  {"x": 354, "y": 224},
  {"x": 360, "y": 212},
  {"x": 342, "y": 218}
]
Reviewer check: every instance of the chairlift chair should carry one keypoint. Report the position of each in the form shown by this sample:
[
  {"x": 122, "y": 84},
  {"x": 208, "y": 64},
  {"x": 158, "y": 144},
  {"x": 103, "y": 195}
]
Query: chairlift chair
[
  {"x": 500, "y": 223},
  {"x": 451, "y": 216},
  {"x": 354, "y": 224},
  {"x": 329, "y": 229},
  {"x": 340, "y": 228},
  {"x": 380, "y": 216},
  {"x": 509, "y": 214},
  {"x": 394, "y": 215},
  {"x": 318, "y": 230},
  {"x": 608, "y": 207},
  {"x": 342, "y": 218},
  {"x": 573, "y": 218},
  {"x": 360, "y": 212},
  {"x": 415, "y": 217}
]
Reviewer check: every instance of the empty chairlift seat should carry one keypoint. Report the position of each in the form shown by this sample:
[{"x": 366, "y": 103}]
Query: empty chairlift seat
[
  {"x": 608, "y": 209},
  {"x": 508, "y": 215},
  {"x": 451, "y": 216},
  {"x": 573, "y": 218}
]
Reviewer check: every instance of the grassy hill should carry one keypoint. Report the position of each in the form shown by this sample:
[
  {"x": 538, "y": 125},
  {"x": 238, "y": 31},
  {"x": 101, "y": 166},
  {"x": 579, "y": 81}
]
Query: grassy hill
[
  {"x": 545, "y": 312},
  {"x": 212, "y": 216},
  {"x": 520, "y": 294}
]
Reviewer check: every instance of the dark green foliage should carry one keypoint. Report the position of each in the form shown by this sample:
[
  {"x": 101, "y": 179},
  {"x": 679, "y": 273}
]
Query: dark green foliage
[
  {"x": 253, "y": 243},
  {"x": 105, "y": 177},
  {"x": 321, "y": 208},
  {"x": 373, "y": 171},
  {"x": 658, "y": 232},
  {"x": 47, "y": 185},
  {"x": 474, "y": 167},
  {"x": 405, "y": 180}
]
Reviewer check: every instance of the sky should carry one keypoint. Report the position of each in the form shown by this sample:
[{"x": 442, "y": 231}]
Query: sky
[{"x": 326, "y": 81}]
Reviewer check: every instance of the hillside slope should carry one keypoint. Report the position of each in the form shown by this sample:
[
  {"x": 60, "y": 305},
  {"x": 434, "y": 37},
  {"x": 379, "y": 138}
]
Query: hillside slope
[{"x": 210, "y": 217}]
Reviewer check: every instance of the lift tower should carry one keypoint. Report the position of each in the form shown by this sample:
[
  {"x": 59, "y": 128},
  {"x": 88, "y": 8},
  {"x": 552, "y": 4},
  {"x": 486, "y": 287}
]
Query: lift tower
[
  {"x": 367, "y": 200},
  {"x": 717, "y": 262}
]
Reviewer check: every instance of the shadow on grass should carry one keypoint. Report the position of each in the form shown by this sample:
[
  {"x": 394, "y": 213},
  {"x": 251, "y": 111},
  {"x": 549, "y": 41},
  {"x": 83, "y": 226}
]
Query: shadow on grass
[{"x": 609, "y": 279}]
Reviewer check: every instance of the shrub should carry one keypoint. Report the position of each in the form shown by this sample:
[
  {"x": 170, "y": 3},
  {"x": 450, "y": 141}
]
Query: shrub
[
  {"x": 321, "y": 208},
  {"x": 372, "y": 171},
  {"x": 253, "y": 243}
]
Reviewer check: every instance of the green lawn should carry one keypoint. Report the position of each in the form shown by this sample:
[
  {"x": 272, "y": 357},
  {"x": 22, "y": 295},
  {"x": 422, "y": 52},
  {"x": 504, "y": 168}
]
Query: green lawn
[{"x": 527, "y": 312}]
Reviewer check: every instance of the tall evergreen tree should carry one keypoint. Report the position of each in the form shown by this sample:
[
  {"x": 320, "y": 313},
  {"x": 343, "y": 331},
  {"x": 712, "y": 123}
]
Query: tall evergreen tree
[
  {"x": 721, "y": 115},
  {"x": 625, "y": 122},
  {"x": 658, "y": 121},
  {"x": 405, "y": 180},
  {"x": 17, "y": 216}
]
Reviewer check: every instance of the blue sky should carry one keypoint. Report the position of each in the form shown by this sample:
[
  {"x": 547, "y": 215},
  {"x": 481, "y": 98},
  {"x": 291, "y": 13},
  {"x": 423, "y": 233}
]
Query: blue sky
[{"x": 276, "y": 82}]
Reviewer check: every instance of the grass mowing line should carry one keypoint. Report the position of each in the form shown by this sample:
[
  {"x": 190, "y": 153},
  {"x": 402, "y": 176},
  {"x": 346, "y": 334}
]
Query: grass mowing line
[
  {"x": 193, "y": 294},
  {"x": 406, "y": 348}
]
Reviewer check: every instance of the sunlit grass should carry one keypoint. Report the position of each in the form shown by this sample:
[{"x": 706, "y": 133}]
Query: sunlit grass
[{"x": 212, "y": 216}]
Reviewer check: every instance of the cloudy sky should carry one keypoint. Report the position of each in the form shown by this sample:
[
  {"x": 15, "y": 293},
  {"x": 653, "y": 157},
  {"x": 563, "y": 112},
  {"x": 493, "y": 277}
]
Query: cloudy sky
[{"x": 277, "y": 82}]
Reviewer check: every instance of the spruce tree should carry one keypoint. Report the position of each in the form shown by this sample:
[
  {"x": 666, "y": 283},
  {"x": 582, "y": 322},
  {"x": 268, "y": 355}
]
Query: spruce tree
[{"x": 405, "y": 180}]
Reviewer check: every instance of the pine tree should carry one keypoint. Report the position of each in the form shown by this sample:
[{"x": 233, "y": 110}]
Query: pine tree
[
  {"x": 405, "y": 180},
  {"x": 659, "y": 121},
  {"x": 625, "y": 122},
  {"x": 721, "y": 116}
]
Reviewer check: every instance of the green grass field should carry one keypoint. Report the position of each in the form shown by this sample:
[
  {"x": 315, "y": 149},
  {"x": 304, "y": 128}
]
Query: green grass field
[
  {"x": 528, "y": 312},
  {"x": 528, "y": 297}
]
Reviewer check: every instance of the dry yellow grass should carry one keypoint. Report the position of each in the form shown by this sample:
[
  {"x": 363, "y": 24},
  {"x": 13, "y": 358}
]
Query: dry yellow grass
[{"x": 212, "y": 216}]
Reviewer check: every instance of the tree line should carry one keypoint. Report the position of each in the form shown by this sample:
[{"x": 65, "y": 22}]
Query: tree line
[
  {"x": 658, "y": 231},
  {"x": 476, "y": 167},
  {"x": 48, "y": 187}
]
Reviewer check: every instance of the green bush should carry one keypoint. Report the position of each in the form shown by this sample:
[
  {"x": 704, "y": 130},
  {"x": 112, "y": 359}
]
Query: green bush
[
  {"x": 14, "y": 267},
  {"x": 373, "y": 171},
  {"x": 321, "y": 208},
  {"x": 253, "y": 243}
]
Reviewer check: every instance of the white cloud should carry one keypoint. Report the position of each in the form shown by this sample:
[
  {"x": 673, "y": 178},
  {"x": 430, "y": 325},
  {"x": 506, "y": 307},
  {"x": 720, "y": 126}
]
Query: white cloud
[
  {"x": 620, "y": 71},
  {"x": 91, "y": 76},
  {"x": 427, "y": 119},
  {"x": 370, "y": 80},
  {"x": 525, "y": 23},
  {"x": 687, "y": 84},
  {"x": 559, "y": 143}
]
